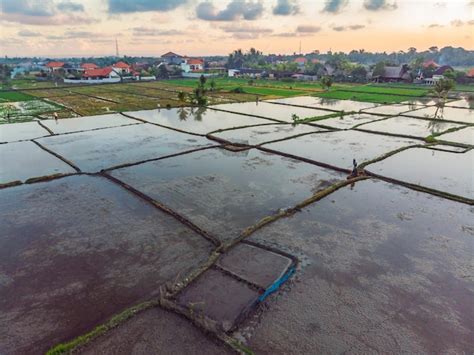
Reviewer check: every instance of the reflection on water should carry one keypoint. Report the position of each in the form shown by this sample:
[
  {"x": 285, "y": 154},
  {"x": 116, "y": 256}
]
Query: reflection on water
[{"x": 443, "y": 171}]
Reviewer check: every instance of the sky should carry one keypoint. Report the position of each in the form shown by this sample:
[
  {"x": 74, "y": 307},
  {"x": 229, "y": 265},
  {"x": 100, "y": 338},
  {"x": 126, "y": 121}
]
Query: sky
[{"x": 59, "y": 28}]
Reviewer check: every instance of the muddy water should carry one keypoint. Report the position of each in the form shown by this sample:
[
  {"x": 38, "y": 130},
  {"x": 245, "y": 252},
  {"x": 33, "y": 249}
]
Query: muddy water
[
  {"x": 101, "y": 149},
  {"x": 25, "y": 160},
  {"x": 153, "y": 331},
  {"x": 272, "y": 111},
  {"x": 196, "y": 120},
  {"x": 443, "y": 171},
  {"x": 339, "y": 148},
  {"x": 410, "y": 126},
  {"x": 349, "y": 121},
  {"x": 77, "y": 250},
  {"x": 447, "y": 113},
  {"x": 261, "y": 134},
  {"x": 87, "y": 123},
  {"x": 391, "y": 110},
  {"x": 317, "y": 102},
  {"x": 465, "y": 136},
  {"x": 383, "y": 269},
  {"x": 224, "y": 192},
  {"x": 21, "y": 131},
  {"x": 464, "y": 103}
]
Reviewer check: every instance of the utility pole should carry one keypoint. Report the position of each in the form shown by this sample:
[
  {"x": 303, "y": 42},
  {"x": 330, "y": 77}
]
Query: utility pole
[
  {"x": 300, "y": 48},
  {"x": 116, "y": 48}
]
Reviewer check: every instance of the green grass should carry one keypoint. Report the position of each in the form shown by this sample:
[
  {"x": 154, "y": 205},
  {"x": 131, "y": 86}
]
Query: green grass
[
  {"x": 390, "y": 91},
  {"x": 15, "y": 96},
  {"x": 29, "y": 84},
  {"x": 321, "y": 118},
  {"x": 362, "y": 96},
  {"x": 271, "y": 91}
]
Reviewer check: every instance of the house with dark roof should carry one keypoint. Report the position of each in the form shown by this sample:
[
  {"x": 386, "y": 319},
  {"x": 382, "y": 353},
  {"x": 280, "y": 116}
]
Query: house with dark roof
[
  {"x": 172, "y": 58},
  {"x": 443, "y": 69},
  {"x": 394, "y": 74}
]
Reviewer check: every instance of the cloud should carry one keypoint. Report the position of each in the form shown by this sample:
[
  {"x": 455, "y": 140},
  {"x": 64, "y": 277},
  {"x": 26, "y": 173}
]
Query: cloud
[
  {"x": 56, "y": 20},
  {"x": 285, "y": 34},
  {"x": 243, "y": 29},
  {"x": 286, "y": 7},
  {"x": 127, "y": 6},
  {"x": 245, "y": 32},
  {"x": 435, "y": 25},
  {"x": 43, "y": 13},
  {"x": 235, "y": 10},
  {"x": 457, "y": 23},
  {"x": 308, "y": 29},
  {"x": 70, "y": 6},
  {"x": 376, "y": 5},
  {"x": 146, "y": 32},
  {"x": 334, "y": 6},
  {"x": 28, "y": 7},
  {"x": 347, "y": 28},
  {"x": 28, "y": 33},
  {"x": 92, "y": 36}
]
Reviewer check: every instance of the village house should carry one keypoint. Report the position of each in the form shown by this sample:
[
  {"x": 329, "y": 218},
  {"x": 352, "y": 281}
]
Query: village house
[
  {"x": 88, "y": 66},
  {"x": 55, "y": 66},
  {"x": 301, "y": 61},
  {"x": 101, "y": 74},
  {"x": 122, "y": 68},
  {"x": 430, "y": 64},
  {"x": 394, "y": 74},
  {"x": 192, "y": 65}
]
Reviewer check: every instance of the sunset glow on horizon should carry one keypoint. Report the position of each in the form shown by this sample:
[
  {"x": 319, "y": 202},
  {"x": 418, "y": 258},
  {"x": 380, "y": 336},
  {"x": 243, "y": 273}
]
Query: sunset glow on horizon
[{"x": 58, "y": 28}]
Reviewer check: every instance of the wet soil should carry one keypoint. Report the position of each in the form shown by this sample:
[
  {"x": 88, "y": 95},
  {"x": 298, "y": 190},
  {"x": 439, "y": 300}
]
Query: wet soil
[
  {"x": 93, "y": 151},
  {"x": 25, "y": 160},
  {"x": 383, "y": 269},
  {"x": 77, "y": 250},
  {"x": 444, "y": 171},
  {"x": 224, "y": 192},
  {"x": 196, "y": 120}
]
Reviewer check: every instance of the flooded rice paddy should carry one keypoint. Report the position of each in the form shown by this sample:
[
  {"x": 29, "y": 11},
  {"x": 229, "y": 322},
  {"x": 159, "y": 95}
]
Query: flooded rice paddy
[
  {"x": 410, "y": 126},
  {"x": 329, "y": 104},
  {"x": 250, "y": 224},
  {"x": 282, "y": 113}
]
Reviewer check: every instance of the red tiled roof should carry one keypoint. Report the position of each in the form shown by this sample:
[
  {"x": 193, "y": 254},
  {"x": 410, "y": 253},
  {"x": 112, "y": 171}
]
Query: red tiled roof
[
  {"x": 195, "y": 61},
  {"x": 300, "y": 60},
  {"x": 430, "y": 63},
  {"x": 98, "y": 72},
  {"x": 121, "y": 65},
  {"x": 89, "y": 66},
  {"x": 470, "y": 73},
  {"x": 55, "y": 64},
  {"x": 314, "y": 61}
]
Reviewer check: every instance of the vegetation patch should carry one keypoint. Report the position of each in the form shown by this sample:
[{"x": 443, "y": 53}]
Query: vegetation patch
[
  {"x": 14, "y": 96},
  {"x": 362, "y": 96}
]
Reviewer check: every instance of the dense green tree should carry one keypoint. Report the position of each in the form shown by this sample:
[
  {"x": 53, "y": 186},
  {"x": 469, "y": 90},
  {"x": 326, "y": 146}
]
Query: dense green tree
[{"x": 326, "y": 82}]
